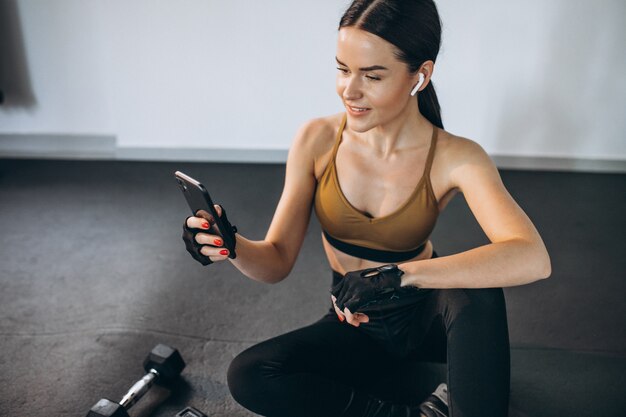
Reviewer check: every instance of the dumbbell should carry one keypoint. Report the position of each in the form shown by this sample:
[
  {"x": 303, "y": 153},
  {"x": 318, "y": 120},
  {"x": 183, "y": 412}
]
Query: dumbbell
[
  {"x": 190, "y": 412},
  {"x": 162, "y": 363}
]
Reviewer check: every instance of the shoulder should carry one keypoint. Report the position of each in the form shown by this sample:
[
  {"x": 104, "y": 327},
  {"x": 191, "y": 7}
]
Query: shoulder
[
  {"x": 316, "y": 133},
  {"x": 314, "y": 140},
  {"x": 459, "y": 150},
  {"x": 464, "y": 159}
]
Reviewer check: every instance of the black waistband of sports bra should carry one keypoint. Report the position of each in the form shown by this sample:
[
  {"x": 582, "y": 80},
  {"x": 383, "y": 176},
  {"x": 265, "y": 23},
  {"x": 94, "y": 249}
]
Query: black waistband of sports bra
[{"x": 375, "y": 255}]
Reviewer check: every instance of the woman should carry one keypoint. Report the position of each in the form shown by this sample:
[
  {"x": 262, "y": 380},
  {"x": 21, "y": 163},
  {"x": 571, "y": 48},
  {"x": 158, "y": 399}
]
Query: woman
[{"x": 378, "y": 176}]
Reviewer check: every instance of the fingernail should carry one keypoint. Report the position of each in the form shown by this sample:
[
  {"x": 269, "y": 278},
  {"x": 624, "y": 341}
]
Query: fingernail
[
  {"x": 224, "y": 252},
  {"x": 205, "y": 225},
  {"x": 217, "y": 242},
  {"x": 341, "y": 318}
]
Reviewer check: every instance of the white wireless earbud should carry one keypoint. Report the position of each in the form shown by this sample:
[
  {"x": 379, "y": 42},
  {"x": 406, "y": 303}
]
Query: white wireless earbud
[{"x": 419, "y": 84}]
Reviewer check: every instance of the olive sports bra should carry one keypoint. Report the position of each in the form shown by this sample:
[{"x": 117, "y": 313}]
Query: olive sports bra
[{"x": 396, "y": 237}]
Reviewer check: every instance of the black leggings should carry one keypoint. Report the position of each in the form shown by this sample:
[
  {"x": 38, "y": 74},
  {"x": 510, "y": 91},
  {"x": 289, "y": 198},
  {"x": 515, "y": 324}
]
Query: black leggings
[{"x": 332, "y": 369}]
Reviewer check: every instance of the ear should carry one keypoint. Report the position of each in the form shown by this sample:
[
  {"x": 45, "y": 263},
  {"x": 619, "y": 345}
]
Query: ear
[{"x": 427, "y": 69}]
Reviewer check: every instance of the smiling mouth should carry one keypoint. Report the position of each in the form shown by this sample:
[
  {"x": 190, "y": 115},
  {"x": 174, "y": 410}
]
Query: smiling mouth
[{"x": 358, "y": 109}]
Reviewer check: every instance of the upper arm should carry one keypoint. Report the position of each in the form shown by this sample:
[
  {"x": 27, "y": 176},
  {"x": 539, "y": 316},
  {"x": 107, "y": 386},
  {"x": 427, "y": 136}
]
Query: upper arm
[
  {"x": 477, "y": 177},
  {"x": 291, "y": 219}
]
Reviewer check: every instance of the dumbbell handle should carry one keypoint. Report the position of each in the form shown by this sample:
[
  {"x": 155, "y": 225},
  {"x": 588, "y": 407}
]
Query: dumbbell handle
[{"x": 139, "y": 389}]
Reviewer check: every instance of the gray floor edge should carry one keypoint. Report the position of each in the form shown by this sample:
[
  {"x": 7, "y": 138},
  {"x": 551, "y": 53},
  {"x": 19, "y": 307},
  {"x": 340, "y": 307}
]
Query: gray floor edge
[{"x": 104, "y": 148}]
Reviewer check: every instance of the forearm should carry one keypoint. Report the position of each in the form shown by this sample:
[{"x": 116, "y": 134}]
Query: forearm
[
  {"x": 260, "y": 260},
  {"x": 502, "y": 264}
]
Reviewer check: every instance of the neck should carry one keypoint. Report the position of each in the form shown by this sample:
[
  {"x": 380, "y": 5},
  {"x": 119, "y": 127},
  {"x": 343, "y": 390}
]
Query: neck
[{"x": 409, "y": 129}]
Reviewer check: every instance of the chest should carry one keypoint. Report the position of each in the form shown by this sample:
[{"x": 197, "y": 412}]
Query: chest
[{"x": 377, "y": 187}]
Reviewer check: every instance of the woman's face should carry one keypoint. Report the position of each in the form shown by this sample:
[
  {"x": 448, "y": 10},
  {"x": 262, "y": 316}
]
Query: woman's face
[{"x": 373, "y": 84}]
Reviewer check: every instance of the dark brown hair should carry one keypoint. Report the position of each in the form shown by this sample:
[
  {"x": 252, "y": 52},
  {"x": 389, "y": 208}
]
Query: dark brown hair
[{"x": 413, "y": 27}]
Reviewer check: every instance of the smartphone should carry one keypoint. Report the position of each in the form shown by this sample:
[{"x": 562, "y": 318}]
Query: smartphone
[{"x": 201, "y": 205}]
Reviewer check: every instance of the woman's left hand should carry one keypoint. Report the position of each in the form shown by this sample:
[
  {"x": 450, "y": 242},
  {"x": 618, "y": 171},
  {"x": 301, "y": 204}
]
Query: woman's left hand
[
  {"x": 359, "y": 288},
  {"x": 354, "y": 319}
]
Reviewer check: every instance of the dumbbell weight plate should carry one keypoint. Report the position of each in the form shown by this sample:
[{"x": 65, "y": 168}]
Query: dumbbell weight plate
[
  {"x": 190, "y": 412},
  {"x": 107, "y": 408},
  {"x": 165, "y": 360}
]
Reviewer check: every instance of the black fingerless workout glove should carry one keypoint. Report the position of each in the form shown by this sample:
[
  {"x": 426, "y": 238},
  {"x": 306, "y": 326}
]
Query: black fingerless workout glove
[
  {"x": 358, "y": 289},
  {"x": 193, "y": 247}
]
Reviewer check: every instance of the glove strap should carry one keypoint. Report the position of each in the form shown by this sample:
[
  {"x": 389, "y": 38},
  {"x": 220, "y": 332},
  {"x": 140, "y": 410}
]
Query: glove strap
[
  {"x": 384, "y": 269},
  {"x": 229, "y": 233}
]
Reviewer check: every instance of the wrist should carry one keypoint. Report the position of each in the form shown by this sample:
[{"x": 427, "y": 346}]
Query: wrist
[
  {"x": 409, "y": 277},
  {"x": 390, "y": 273}
]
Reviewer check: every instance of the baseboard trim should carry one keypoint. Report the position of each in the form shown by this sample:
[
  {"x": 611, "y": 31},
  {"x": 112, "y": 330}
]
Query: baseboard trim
[
  {"x": 51, "y": 146},
  {"x": 103, "y": 147},
  {"x": 255, "y": 156},
  {"x": 529, "y": 163}
]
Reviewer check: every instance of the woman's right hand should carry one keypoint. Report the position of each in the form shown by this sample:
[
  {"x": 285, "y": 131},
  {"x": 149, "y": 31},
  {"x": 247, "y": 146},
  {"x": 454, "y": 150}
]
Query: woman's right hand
[
  {"x": 204, "y": 245},
  {"x": 354, "y": 319}
]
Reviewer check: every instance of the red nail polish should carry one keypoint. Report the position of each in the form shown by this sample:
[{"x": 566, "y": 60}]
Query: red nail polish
[
  {"x": 217, "y": 242},
  {"x": 223, "y": 252},
  {"x": 341, "y": 318},
  {"x": 205, "y": 225}
]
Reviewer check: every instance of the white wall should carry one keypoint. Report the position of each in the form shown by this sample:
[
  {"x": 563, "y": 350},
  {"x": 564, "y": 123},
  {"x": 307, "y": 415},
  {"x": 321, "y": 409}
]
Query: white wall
[{"x": 533, "y": 78}]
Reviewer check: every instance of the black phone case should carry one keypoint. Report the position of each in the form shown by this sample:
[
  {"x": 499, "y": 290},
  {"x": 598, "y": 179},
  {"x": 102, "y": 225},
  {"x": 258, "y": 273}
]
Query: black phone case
[{"x": 201, "y": 205}]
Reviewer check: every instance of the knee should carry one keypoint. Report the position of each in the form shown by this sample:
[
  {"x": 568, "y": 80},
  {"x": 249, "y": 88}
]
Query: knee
[
  {"x": 243, "y": 376},
  {"x": 251, "y": 376},
  {"x": 477, "y": 318}
]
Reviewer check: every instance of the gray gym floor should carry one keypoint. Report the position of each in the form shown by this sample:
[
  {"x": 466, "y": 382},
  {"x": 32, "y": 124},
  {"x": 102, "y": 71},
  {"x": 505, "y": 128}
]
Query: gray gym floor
[{"x": 93, "y": 274}]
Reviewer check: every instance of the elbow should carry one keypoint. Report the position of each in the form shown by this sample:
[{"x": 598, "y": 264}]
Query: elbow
[
  {"x": 545, "y": 272},
  {"x": 277, "y": 275},
  {"x": 545, "y": 265},
  {"x": 271, "y": 277},
  {"x": 536, "y": 265},
  {"x": 271, "y": 267},
  {"x": 283, "y": 266},
  {"x": 547, "y": 269},
  {"x": 276, "y": 278}
]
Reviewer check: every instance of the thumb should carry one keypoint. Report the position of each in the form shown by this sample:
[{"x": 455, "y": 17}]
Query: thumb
[{"x": 218, "y": 209}]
